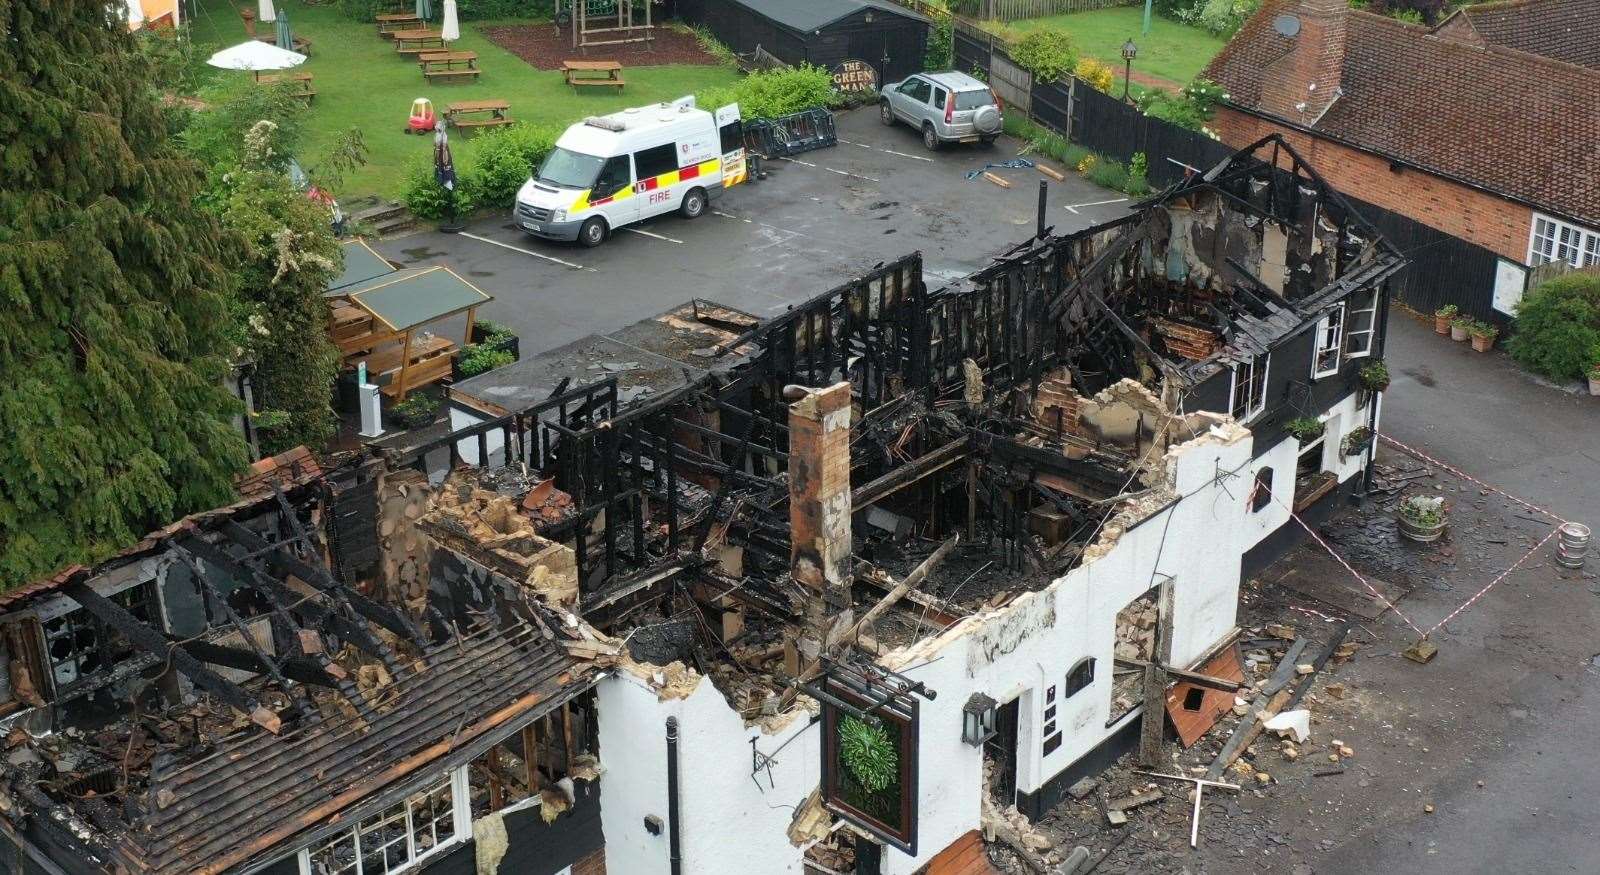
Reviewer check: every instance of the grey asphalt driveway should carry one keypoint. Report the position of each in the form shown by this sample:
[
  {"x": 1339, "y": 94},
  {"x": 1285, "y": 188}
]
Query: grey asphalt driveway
[{"x": 812, "y": 224}]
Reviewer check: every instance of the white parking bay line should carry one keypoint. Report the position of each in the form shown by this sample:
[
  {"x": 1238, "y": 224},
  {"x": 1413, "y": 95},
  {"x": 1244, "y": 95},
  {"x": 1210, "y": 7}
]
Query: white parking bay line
[
  {"x": 653, "y": 234},
  {"x": 1073, "y": 208},
  {"x": 524, "y": 251},
  {"x": 887, "y": 151},
  {"x": 830, "y": 169},
  {"x": 731, "y": 216}
]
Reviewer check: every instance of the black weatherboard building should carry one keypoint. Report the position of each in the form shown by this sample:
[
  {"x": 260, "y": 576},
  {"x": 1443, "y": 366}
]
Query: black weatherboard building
[{"x": 822, "y": 32}]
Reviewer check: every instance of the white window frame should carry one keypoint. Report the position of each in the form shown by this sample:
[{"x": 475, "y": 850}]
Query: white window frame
[
  {"x": 1550, "y": 239},
  {"x": 1329, "y": 341},
  {"x": 461, "y": 824},
  {"x": 1366, "y": 335},
  {"x": 1252, "y": 406}
]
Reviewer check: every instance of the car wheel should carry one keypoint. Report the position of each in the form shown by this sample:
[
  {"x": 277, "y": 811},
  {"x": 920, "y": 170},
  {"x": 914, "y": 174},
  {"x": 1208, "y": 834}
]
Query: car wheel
[
  {"x": 593, "y": 232},
  {"x": 930, "y": 139},
  {"x": 694, "y": 203},
  {"x": 885, "y": 114}
]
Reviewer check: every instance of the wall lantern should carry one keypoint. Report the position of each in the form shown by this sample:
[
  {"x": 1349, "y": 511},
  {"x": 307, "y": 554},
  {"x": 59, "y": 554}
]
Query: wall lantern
[{"x": 977, "y": 720}]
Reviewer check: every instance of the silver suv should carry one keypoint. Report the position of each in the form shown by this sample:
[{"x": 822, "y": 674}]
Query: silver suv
[{"x": 945, "y": 107}]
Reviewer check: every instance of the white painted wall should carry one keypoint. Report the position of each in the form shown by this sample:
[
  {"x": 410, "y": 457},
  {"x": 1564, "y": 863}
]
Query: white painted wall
[
  {"x": 1342, "y": 418},
  {"x": 732, "y": 821}
]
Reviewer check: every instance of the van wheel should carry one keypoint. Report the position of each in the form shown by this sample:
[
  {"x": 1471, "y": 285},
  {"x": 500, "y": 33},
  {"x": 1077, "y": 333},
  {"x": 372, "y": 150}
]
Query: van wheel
[
  {"x": 593, "y": 232},
  {"x": 930, "y": 139},
  {"x": 694, "y": 203},
  {"x": 885, "y": 114}
]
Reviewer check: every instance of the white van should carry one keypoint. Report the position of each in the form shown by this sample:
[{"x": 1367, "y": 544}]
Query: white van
[{"x": 612, "y": 170}]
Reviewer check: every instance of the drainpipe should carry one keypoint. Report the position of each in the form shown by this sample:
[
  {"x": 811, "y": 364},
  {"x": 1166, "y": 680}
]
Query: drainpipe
[{"x": 675, "y": 860}]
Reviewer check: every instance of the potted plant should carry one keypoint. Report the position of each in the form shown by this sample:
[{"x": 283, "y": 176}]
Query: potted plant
[
  {"x": 1461, "y": 327},
  {"x": 1442, "y": 318},
  {"x": 1483, "y": 335},
  {"x": 1422, "y": 518},
  {"x": 1594, "y": 379},
  {"x": 418, "y": 411},
  {"x": 1304, "y": 428},
  {"x": 1355, "y": 441},
  {"x": 1375, "y": 376}
]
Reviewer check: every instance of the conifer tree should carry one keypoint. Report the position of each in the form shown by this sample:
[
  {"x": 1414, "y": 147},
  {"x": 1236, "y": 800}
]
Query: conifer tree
[{"x": 113, "y": 300}]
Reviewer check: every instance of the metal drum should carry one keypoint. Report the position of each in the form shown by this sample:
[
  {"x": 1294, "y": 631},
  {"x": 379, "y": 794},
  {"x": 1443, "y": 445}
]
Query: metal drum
[{"x": 1572, "y": 544}]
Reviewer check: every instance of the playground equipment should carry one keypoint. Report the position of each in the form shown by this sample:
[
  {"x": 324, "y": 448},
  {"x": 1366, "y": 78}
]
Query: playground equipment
[
  {"x": 422, "y": 117},
  {"x": 606, "y": 22}
]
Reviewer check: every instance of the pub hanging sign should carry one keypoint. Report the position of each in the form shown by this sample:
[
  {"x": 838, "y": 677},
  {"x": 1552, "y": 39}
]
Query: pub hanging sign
[{"x": 855, "y": 75}]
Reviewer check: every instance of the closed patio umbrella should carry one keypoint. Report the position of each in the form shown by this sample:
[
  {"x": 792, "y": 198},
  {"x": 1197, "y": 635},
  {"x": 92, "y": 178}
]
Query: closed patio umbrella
[
  {"x": 285, "y": 37},
  {"x": 424, "y": 9},
  {"x": 450, "y": 29},
  {"x": 265, "y": 12},
  {"x": 135, "y": 14}
]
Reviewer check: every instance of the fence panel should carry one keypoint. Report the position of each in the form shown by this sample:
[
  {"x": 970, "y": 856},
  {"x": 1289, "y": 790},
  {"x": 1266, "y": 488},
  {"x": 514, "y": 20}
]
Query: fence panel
[
  {"x": 1011, "y": 10},
  {"x": 1051, "y": 103},
  {"x": 972, "y": 49},
  {"x": 1011, "y": 83}
]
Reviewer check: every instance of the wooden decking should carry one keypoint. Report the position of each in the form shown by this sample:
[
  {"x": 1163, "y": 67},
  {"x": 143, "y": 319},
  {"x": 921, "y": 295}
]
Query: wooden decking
[{"x": 965, "y": 856}]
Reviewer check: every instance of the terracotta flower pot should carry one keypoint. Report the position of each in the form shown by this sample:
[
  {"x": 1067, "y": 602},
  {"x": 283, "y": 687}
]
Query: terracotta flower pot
[
  {"x": 1458, "y": 332},
  {"x": 1483, "y": 343},
  {"x": 1441, "y": 324}
]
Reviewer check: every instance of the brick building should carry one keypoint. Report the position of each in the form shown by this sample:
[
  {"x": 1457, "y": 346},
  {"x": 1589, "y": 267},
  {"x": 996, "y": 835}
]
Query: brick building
[{"x": 1484, "y": 127}]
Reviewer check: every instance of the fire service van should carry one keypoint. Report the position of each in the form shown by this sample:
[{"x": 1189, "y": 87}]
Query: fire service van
[{"x": 613, "y": 170}]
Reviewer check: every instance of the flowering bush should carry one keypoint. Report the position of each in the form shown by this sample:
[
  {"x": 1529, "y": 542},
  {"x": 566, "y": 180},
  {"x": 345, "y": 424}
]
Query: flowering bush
[{"x": 1097, "y": 75}]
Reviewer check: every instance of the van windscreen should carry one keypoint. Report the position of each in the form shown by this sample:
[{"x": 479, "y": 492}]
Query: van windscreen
[{"x": 564, "y": 168}]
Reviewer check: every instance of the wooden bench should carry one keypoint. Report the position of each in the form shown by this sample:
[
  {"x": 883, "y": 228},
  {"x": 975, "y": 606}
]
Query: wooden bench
[
  {"x": 416, "y": 42},
  {"x": 496, "y": 108},
  {"x": 299, "y": 84},
  {"x": 390, "y": 22},
  {"x": 605, "y": 74},
  {"x": 443, "y": 65},
  {"x": 430, "y": 362}
]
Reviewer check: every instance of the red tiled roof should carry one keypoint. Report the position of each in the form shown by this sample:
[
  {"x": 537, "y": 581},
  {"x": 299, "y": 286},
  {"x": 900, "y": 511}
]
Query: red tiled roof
[
  {"x": 1566, "y": 30},
  {"x": 1517, "y": 124}
]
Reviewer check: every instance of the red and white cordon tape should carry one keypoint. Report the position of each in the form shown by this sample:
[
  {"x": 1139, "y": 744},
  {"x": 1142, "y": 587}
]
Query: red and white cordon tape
[
  {"x": 1479, "y": 594},
  {"x": 1413, "y": 451}
]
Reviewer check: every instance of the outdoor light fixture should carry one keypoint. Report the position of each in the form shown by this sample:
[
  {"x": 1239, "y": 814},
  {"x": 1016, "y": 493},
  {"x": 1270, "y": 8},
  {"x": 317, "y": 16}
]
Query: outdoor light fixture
[
  {"x": 977, "y": 720},
  {"x": 1129, "y": 52}
]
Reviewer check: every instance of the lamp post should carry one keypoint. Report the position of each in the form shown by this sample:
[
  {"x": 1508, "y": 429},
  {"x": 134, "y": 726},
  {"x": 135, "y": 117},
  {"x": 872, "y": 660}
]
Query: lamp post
[{"x": 1129, "y": 52}]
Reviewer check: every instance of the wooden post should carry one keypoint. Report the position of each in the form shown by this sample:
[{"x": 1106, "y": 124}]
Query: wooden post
[
  {"x": 530, "y": 765},
  {"x": 405, "y": 367},
  {"x": 497, "y": 792},
  {"x": 472, "y": 314},
  {"x": 566, "y": 729},
  {"x": 1152, "y": 724}
]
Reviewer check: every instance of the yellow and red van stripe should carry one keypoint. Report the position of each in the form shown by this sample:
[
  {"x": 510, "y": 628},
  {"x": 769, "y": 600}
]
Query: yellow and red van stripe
[{"x": 672, "y": 177}]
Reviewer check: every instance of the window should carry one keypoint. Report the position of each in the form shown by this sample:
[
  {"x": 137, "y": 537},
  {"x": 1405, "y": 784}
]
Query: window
[
  {"x": 938, "y": 98},
  {"x": 1360, "y": 323},
  {"x": 1082, "y": 675},
  {"x": 917, "y": 89},
  {"x": 1555, "y": 240},
  {"x": 973, "y": 99},
  {"x": 392, "y": 839},
  {"x": 1261, "y": 493},
  {"x": 1248, "y": 396},
  {"x": 80, "y": 645},
  {"x": 1330, "y": 340},
  {"x": 614, "y": 177},
  {"x": 655, "y": 161},
  {"x": 732, "y": 136}
]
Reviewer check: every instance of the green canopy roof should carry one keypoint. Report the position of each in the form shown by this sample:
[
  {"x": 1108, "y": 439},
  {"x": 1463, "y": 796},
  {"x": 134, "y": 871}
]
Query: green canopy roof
[
  {"x": 404, "y": 299},
  {"x": 360, "y": 263}
]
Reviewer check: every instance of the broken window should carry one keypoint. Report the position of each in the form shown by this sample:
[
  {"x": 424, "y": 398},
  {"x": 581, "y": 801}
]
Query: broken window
[
  {"x": 389, "y": 840},
  {"x": 1330, "y": 341},
  {"x": 507, "y": 774},
  {"x": 79, "y": 644},
  {"x": 1082, "y": 675},
  {"x": 1311, "y": 481},
  {"x": 1360, "y": 322},
  {"x": 1261, "y": 493},
  {"x": 1248, "y": 396}
]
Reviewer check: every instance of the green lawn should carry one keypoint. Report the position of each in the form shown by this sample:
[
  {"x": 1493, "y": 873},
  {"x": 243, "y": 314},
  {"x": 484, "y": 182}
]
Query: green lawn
[
  {"x": 362, "y": 82},
  {"x": 1170, "y": 50}
]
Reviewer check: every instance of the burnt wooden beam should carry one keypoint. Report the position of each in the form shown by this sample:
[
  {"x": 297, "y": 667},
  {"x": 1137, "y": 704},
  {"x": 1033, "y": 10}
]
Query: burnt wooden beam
[
  {"x": 281, "y": 561},
  {"x": 1210, "y": 682},
  {"x": 152, "y": 641},
  {"x": 908, "y": 474},
  {"x": 295, "y": 668}
]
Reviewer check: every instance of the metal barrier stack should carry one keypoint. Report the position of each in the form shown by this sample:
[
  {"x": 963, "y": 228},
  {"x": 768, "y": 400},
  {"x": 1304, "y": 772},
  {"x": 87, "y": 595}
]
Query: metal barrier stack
[{"x": 791, "y": 134}]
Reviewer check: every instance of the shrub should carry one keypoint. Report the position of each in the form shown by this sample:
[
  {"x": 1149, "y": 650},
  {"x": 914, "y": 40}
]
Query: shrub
[
  {"x": 482, "y": 357},
  {"x": 427, "y": 199},
  {"x": 492, "y": 331},
  {"x": 1558, "y": 326},
  {"x": 1097, "y": 75},
  {"x": 501, "y": 161},
  {"x": 1109, "y": 173},
  {"x": 941, "y": 53},
  {"x": 1190, "y": 108},
  {"x": 416, "y": 411},
  {"x": 1304, "y": 428},
  {"x": 1139, "y": 165},
  {"x": 1448, "y": 311},
  {"x": 1219, "y": 17},
  {"x": 773, "y": 93},
  {"x": 1047, "y": 54}
]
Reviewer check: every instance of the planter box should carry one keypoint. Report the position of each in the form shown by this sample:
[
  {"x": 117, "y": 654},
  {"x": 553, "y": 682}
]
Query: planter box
[
  {"x": 1441, "y": 325},
  {"x": 512, "y": 344},
  {"x": 1420, "y": 534},
  {"x": 1458, "y": 334},
  {"x": 1483, "y": 344}
]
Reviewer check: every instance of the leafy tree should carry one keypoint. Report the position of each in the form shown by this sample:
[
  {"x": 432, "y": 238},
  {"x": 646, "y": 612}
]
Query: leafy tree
[
  {"x": 113, "y": 291},
  {"x": 941, "y": 53},
  {"x": 1558, "y": 326},
  {"x": 1048, "y": 54}
]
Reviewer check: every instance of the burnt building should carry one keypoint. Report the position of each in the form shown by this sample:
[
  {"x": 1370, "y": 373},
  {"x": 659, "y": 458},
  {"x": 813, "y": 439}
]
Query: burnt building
[{"x": 719, "y": 594}]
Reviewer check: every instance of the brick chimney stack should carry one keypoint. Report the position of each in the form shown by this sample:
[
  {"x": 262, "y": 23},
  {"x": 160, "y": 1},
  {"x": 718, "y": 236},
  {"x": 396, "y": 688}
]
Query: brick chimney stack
[
  {"x": 819, "y": 511},
  {"x": 1304, "y": 83}
]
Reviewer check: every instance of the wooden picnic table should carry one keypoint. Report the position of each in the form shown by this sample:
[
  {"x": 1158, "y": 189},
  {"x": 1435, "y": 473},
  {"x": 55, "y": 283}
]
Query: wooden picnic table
[
  {"x": 443, "y": 65},
  {"x": 593, "y": 73},
  {"x": 299, "y": 83},
  {"x": 496, "y": 108},
  {"x": 415, "y": 42},
  {"x": 301, "y": 44},
  {"x": 390, "y": 22}
]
